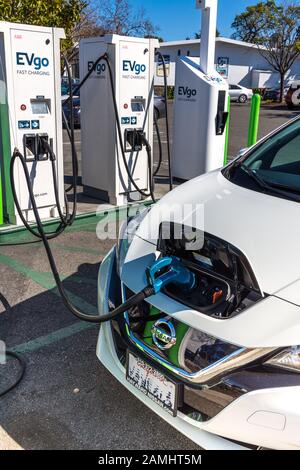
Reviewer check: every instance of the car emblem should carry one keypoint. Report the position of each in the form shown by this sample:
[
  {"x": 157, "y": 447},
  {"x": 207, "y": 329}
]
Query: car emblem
[{"x": 164, "y": 334}]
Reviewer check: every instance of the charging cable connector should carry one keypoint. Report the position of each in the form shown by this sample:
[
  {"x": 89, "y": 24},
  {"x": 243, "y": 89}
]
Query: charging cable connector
[{"x": 170, "y": 270}]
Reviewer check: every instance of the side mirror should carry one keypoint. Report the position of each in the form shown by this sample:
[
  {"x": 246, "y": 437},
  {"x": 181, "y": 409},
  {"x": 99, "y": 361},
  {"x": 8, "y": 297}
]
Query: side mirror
[{"x": 242, "y": 152}]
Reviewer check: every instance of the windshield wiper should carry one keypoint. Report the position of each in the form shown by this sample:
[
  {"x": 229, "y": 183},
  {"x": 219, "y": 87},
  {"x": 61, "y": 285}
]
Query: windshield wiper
[
  {"x": 266, "y": 186},
  {"x": 258, "y": 180},
  {"x": 284, "y": 187}
]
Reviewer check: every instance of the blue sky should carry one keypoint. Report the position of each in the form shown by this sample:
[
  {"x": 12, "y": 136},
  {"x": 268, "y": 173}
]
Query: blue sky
[{"x": 179, "y": 19}]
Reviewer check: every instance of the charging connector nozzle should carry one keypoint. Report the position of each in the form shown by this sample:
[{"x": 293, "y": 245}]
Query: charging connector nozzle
[{"x": 170, "y": 270}]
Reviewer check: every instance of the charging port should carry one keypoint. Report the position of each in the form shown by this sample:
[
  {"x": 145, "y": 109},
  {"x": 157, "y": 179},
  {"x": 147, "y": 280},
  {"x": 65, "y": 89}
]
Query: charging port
[{"x": 209, "y": 294}]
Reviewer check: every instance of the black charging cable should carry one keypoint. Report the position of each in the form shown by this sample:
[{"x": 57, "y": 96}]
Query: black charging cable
[
  {"x": 133, "y": 301},
  {"x": 160, "y": 152},
  {"x": 20, "y": 375},
  {"x": 44, "y": 237},
  {"x": 87, "y": 76},
  {"x": 104, "y": 57},
  {"x": 61, "y": 227},
  {"x": 73, "y": 148},
  {"x": 162, "y": 59},
  {"x": 149, "y": 156},
  {"x": 66, "y": 220},
  {"x": 13, "y": 355},
  {"x": 71, "y": 130},
  {"x": 119, "y": 132}
]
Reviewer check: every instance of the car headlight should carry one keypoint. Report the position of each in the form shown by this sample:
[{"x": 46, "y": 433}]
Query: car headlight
[
  {"x": 126, "y": 235},
  {"x": 287, "y": 359}
]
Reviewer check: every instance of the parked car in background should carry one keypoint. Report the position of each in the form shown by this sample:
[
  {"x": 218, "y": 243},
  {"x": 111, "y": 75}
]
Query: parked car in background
[
  {"x": 159, "y": 107},
  {"x": 240, "y": 94},
  {"x": 65, "y": 81},
  {"x": 65, "y": 93},
  {"x": 159, "y": 104},
  {"x": 65, "y": 90},
  {"x": 273, "y": 94},
  {"x": 76, "y": 108},
  {"x": 292, "y": 98}
]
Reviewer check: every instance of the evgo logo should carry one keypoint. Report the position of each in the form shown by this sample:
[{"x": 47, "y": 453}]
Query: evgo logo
[{"x": 24, "y": 59}]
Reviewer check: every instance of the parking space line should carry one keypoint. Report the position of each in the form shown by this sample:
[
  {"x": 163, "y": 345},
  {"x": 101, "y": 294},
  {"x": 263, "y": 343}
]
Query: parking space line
[
  {"x": 77, "y": 249},
  {"x": 52, "y": 338},
  {"x": 7, "y": 442},
  {"x": 78, "y": 279},
  {"x": 45, "y": 282},
  {"x": 76, "y": 142}
]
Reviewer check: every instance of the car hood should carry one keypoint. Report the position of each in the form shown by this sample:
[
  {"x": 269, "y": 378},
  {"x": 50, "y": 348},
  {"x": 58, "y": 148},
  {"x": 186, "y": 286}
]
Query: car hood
[{"x": 266, "y": 229}]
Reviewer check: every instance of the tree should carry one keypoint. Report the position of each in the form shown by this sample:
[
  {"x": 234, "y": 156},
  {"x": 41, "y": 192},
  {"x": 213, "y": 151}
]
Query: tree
[
  {"x": 87, "y": 26},
  {"x": 154, "y": 36},
  {"x": 275, "y": 29},
  {"x": 54, "y": 13},
  {"x": 198, "y": 35},
  {"x": 118, "y": 17},
  {"x": 248, "y": 25}
]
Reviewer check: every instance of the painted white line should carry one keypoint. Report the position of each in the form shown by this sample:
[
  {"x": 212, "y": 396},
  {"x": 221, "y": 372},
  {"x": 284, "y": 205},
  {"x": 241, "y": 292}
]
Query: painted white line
[
  {"x": 76, "y": 142},
  {"x": 7, "y": 442},
  {"x": 52, "y": 338}
]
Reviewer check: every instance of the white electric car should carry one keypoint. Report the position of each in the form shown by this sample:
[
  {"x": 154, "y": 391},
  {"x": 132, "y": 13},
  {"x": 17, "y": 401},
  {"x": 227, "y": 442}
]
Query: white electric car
[{"x": 220, "y": 362}]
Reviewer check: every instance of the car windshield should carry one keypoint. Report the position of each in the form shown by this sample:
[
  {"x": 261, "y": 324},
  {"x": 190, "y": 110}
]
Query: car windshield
[{"x": 273, "y": 167}]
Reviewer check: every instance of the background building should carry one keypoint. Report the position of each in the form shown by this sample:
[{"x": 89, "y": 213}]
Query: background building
[{"x": 242, "y": 63}]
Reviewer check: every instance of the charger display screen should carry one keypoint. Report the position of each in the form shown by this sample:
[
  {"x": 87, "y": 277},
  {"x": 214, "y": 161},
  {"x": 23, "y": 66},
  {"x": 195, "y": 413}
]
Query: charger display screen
[
  {"x": 40, "y": 107},
  {"x": 137, "y": 107}
]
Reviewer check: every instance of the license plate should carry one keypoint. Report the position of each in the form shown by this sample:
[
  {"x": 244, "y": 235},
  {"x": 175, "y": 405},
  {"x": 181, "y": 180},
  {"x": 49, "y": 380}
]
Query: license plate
[{"x": 152, "y": 383}]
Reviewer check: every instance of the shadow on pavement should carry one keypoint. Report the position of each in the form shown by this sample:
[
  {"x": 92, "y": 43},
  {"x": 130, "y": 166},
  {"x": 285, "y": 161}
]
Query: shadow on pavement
[{"x": 67, "y": 400}]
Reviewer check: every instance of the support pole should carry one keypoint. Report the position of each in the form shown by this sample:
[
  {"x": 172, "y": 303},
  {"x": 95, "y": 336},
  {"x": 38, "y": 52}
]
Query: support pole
[
  {"x": 1, "y": 200},
  {"x": 6, "y": 199},
  {"x": 1, "y": 172},
  {"x": 208, "y": 34},
  {"x": 254, "y": 120},
  {"x": 227, "y": 133}
]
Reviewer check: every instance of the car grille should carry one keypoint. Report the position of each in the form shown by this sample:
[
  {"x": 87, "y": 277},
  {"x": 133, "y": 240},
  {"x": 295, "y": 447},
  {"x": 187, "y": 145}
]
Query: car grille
[
  {"x": 198, "y": 404},
  {"x": 193, "y": 351}
]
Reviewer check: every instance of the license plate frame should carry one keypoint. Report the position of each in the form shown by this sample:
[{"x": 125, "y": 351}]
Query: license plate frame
[{"x": 158, "y": 387}]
